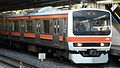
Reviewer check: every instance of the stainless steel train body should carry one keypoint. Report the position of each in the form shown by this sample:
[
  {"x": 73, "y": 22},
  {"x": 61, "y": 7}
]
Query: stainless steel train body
[{"x": 83, "y": 36}]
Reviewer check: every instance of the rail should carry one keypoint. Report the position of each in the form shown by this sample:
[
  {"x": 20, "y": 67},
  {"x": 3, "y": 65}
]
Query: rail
[{"x": 15, "y": 63}]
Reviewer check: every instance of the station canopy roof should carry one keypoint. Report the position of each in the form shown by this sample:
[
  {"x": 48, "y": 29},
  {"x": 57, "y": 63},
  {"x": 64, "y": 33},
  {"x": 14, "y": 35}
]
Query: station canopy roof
[{"x": 8, "y": 5}]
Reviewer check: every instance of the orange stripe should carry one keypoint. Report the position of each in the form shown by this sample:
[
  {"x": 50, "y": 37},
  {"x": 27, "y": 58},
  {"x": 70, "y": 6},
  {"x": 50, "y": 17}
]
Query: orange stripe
[
  {"x": 2, "y": 32},
  {"x": 15, "y": 33},
  {"x": 6, "y": 33},
  {"x": 29, "y": 34},
  {"x": 51, "y": 16},
  {"x": 34, "y": 17},
  {"x": 46, "y": 36},
  {"x": 16, "y": 18},
  {"x": 89, "y": 39},
  {"x": 1, "y": 18}
]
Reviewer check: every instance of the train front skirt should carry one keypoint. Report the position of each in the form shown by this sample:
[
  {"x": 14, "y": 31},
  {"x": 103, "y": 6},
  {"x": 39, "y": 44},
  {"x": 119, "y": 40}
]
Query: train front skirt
[{"x": 78, "y": 58}]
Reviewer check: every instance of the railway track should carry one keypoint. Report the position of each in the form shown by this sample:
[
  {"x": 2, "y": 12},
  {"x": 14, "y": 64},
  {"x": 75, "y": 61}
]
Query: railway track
[
  {"x": 15, "y": 63},
  {"x": 29, "y": 60},
  {"x": 7, "y": 64}
]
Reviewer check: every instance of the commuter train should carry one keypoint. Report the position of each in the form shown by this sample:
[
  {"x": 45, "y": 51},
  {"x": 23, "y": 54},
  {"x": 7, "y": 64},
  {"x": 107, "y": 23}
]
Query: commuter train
[
  {"x": 82, "y": 36},
  {"x": 115, "y": 49}
]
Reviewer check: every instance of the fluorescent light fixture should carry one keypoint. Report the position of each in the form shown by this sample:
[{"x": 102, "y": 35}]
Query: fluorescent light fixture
[
  {"x": 108, "y": 1},
  {"x": 8, "y": 11},
  {"x": 13, "y": 11},
  {"x": 4, "y": 12},
  {"x": 114, "y": 7},
  {"x": 104, "y": 2},
  {"x": 31, "y": 9},
  {"x": 117, "y": 15}
]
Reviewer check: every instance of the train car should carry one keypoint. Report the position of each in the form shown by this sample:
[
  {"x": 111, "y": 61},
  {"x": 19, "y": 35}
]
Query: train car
[
  {"x": 83, "y": 36},
  {"x": 115, "y": 49}
]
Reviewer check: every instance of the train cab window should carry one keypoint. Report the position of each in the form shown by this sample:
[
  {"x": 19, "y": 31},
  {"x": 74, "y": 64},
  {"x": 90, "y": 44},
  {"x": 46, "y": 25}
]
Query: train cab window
[
  {"x": 15, "y": 26},
  {"x": 91, "y": 22},
  {"x": 29, "y": 24},
  {"x": 46, "y": 26}
]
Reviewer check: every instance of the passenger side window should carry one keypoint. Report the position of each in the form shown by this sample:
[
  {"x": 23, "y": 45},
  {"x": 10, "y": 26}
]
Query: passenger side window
[
  {"x": 29, "y": 24},
  {"x": 56, "y": 26},
  {"x": 15, "y": 26},
  {"x": 6, "y": 26},
  {"x": 38, "y": 26},
  {"x": 46, "y": 26}
]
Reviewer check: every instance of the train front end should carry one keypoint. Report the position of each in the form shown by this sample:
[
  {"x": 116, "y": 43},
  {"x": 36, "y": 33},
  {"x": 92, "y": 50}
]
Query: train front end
[{"x": 89, "y": 39}]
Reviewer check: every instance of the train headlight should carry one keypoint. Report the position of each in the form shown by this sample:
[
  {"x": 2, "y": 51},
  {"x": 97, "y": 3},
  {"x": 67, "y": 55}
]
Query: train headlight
[
  {"x": 102, "y": 44},
  {"x": 79, "y": 44}
]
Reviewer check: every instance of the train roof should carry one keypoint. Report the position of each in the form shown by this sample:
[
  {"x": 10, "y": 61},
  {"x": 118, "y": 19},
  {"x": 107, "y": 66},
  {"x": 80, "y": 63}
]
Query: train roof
[
  {"x": 52, "y": 12},
  {"x": 91, "y": 9},
  {"x": 43, "y": 11}
]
